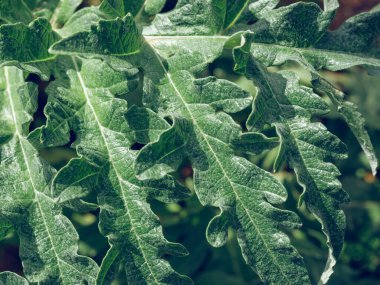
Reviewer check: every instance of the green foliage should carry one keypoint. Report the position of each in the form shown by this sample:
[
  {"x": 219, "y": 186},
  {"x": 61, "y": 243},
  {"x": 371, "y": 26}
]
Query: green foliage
[{"x": 132, "y": 84}]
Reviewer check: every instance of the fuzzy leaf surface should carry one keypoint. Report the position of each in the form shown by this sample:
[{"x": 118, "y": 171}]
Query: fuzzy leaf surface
[
  {"x": 221, "y": 179},
  {"x": 90, "y": 108},
  {"x": 286, "y": 105},
  {"x": 354, "y": 43},
  {"x": 48, "y": 240}
]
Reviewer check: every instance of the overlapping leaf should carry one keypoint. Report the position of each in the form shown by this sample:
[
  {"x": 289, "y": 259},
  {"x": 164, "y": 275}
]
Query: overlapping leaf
[
  {"x": 105, "y": 164},
  {"x": 48, "y": 240}
]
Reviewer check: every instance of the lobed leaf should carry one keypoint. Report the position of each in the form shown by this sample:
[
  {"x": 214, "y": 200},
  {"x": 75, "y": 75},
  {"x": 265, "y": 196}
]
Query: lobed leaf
[
  {"x": 241, "y": 190},
  {"x": 286, "y": 105},
  {"x": 354, "y": 43},
  {"x": 48, "y": 240},
  {"x": 89, "y": 108}
]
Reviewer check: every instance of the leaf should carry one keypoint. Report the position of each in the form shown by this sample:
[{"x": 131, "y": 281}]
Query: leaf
[
  {"x": 233, "y": 184},
  {"x": 10, "y": 278},
  {"x": 105, "y": 166},
  {"x": 356, "y": 37},
  {"x": 354, "y": 43},
  {"x": 48, "y": 240},
  {"x": 283, "y": 103},
  {"x": 12, "y": 11},
  {"x": 117, "y": 37},
  {"x": 32, "y": 57}
]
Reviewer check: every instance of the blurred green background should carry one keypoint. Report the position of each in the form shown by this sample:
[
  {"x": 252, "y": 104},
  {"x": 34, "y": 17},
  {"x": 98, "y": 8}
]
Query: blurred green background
[{"x": 185, "y": 222}]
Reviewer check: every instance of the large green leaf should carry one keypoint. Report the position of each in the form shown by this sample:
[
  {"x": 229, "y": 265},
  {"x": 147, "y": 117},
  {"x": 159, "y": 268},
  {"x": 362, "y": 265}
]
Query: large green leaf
[
  {"x": 48, "y": 240},
  {"x": 346, "y": 47},
  {"x": 281, "y": 36},
  {"x": 189, "y": 50},
  {"x": 283, "y": 103},
  {"x": 352, "y": 44},
  {"x": 286, "y": 25},
  {"x": 105, "y": 164},
  {"x": 233, "y": 184}
]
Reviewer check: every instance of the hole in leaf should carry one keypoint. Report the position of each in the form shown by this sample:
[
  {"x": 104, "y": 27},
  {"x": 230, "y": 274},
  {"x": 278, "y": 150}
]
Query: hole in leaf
[
  {"x": 170, "y": 5},
  {"x": 39, "y": 117},
  {"x": 73, "y": 138},
  {"x": 137, "y": 146},
  {"x": 91, "y": 242},
  {"x": 9, "y": 254},
  {"x": 169, "y": 120}
]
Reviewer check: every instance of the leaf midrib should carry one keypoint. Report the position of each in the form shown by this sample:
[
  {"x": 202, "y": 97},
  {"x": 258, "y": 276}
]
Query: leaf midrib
[
  {"x": 25, "y": 158},
  {"x": 110, "y": 159},
  {"x": 216, "y": 158},
  {"x": 309, "y": 183}
]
